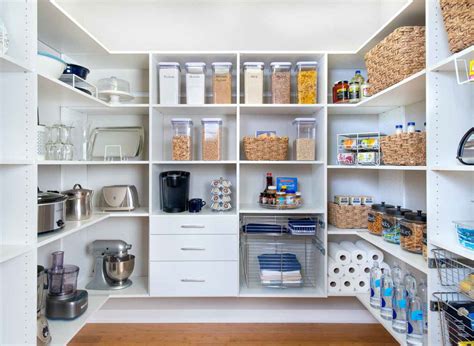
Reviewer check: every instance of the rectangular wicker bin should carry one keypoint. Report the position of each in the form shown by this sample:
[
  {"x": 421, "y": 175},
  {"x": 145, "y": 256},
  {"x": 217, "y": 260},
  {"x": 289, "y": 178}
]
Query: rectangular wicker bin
[
  {"x": 266, "y": 149},
  {"x": 406, "y": 149},
  {"x": 458, "y": 16},
  {"x": 348, "y": 216},
  {"x": 396, "y": 57}
]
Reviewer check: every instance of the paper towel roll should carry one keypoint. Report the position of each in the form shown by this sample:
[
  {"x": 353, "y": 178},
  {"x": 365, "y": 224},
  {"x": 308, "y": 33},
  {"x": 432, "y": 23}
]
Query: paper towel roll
[
  {"x": 362, "y": 284},
  {"x": 334, "y": 284},
  {"x": 373, "y": 254},
  {"x": 358, "y": 255},
  {"x": 364, "y": 269},
  {"x": 338, "y": 253},
  {"x": 351, "y": 271},
  {"x": 334, "y": 269},
  {"x": 347, "y": 285}
]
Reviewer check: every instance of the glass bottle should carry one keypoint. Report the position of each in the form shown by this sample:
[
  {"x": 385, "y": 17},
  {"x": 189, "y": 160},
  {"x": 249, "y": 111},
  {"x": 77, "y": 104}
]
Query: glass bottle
[
  {"x": 375, "y": 276},
  {"x": 415, "y": 318},
  {"x": 386, "y": 290},
  {"x": 358, "y": 78},
  {"x": 423, "y": 293}
]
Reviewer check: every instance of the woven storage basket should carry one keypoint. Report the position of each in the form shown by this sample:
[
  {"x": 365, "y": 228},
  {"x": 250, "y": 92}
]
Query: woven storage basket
[
  {"x": 406, "y": 149},
  {"x": 266, "y": 149},
  {"x": 396, "y": 57},
  {"x": 458, "y": 16},
  {"x": 348, "y": 216}
]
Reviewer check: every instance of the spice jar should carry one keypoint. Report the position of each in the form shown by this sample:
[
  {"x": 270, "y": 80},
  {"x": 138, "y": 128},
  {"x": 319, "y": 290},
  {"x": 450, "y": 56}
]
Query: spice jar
[
  {"x": 340, "y": 92},
  {"x": 290, "y": 198},
  {"x": 305, "y": 142},
  {"x": 298, "y": 200},
  {"x": 271, "y": 195},
  {"x": 253, "y": 82},
  {"x": 195, "y": 83},
  {"x": 354, "y": 92},
  {"x": 391, "y": 224},
  {"x": 306, "y": 82},
  {"x": 211, "y": 139},
  {"x": 375, "y": 216},
  {"x": 280, "y": 198},
  {"x": 182, "y": 143},
  {"x": 365, "y": 90},
  {"x": 222, "y": 82},
  {"x": 281, "y": 81},
  {"x": 169, "y": 83},
  {"x": 411, "y": 231}
]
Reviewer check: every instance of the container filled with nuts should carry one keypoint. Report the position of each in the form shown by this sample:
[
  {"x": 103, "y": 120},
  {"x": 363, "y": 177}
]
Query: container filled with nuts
[
  {"x": 182, "y": 142},
  {"x": 305, "y": 142},
  {"x": 211, "y": 139},
  {"x": 307, "y": 82},
  {"x": 281, "y": 82},
  {"x": 411, "y": 231},
  {"x": 375, "y": 217}
]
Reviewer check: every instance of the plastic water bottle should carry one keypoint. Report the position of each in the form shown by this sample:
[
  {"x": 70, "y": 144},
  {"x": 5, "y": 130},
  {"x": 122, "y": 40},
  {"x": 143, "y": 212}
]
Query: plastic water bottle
[
  {"x": 423, "y": 293},
  {"x": 415, "y": 319},
  {"x": 386, "y": 291},
  {"x": 398, "y": 129},
  {"x": 410, "y": 282},
  {"x": 397, "y": 274},
  {"x": 375, "y": 276},
  {"x": 399, "y": 304}
]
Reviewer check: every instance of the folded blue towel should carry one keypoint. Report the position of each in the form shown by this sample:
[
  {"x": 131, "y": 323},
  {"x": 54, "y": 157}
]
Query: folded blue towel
[
  {"x": 264, "y": 228},
  {"x": 279, "y": 262}
]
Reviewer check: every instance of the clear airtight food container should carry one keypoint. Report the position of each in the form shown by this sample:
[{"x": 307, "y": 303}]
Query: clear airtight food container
[
  {"x": 169, "y": 83},
  {"x": 182, "y": 142},
  {"x": 211, "y": 139},
  {"x": 281, "y": 82},
  {"x": 305, "y": 142},
  {"x": 306, "y": 82},
  {"x": 411, "y": 231},
  {"x": 195, "y": 83},
  {"x": 253, "y": 82},
  {"x": 222, "y": 82}
]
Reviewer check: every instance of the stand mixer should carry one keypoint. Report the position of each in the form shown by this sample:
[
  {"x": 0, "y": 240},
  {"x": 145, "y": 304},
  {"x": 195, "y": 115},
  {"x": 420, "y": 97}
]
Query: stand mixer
[{"x": 113, "y": 265}]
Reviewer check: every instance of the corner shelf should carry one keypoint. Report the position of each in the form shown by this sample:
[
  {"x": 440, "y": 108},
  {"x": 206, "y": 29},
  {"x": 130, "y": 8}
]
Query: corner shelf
[
  {"x": 11, "y": 64},
  {"x": 204, "y": 109},
  {"x": 8, "y": 252},
  {"x": 381, "y": 167},
  {"x": 459, "y": 168},
  {"x": 448, "y": 65},
  {"x": 139, "y": 289}
]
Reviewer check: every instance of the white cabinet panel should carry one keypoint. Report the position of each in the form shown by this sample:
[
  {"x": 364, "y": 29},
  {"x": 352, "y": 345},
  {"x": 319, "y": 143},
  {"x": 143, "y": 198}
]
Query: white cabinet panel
[{"x": 194, "y": 225}]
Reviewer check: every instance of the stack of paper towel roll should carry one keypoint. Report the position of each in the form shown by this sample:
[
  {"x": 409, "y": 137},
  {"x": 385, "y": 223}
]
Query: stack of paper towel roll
[{"x": 349, "y": 266}]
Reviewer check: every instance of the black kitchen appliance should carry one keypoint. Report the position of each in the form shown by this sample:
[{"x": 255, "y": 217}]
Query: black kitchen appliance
[
  {"x": 174, "y": 192},
  {"x": 465, "y": 153}
]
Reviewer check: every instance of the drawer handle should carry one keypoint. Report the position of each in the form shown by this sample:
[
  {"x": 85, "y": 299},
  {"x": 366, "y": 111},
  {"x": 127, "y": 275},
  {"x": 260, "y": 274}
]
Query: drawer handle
[
  {"x": 192, "y": 280},
  {"x": 193, "y": 249},
  {"x": 193, "y": 226}
]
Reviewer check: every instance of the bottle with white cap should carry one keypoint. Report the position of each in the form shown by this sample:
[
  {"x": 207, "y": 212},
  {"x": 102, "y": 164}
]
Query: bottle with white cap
[{"x": 411, "y": 127}]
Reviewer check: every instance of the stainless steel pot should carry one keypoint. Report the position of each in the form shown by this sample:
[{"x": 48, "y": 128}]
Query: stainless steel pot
[
  {"x": 79, "y": 203},
  {"x": 51, "y": 211}
]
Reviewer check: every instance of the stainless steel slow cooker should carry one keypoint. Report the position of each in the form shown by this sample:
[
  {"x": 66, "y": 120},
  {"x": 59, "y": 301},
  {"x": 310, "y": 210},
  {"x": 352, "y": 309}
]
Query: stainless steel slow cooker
[{"x": 51, "y": 211}]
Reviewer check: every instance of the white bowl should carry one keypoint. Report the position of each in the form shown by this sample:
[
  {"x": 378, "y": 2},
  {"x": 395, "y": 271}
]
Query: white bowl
[{"x": 50, "y": 66}]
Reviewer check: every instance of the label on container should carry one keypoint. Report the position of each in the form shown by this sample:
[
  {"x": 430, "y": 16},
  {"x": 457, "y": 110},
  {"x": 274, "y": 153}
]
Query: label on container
[
  {"x": 386, "y": 224},
  {"x": 383, "y": 303},
  {"x": 402, "y": 303},
  {"x": 372, "y": 292},
  {"x": 377, "y": 283},
  {"x": 394, "y": 314},
  {"x": 371, "y": 217},
  {"x": 416, "y": 315},
  {"x": 387, "y": 292},
  {"x": 405, "y": 231}
]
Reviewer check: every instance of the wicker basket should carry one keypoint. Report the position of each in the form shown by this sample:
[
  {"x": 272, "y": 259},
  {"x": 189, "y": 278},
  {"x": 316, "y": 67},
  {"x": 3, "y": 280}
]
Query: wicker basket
[
  {"x": 406, "y": 149},
  {"x": 458, "y": 16},
  {"x": 266, "y": 149},
  {"x": 348, "y": 216},
  {"x": 396, "y": 57}
]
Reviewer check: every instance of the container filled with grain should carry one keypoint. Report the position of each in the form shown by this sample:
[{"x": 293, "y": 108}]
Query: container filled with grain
[
  {"x": 281, "y": 82},
  {"x": 307, "y": 82},
  {"x": 253, "y": 82},
  {"x": 305, "y": 143},
  {"x": 222, "y": 82},
  {"x": 411, "y": 231},
  {"x": 211, "y": 139},
  {"x": 182, "y": 142},
  {"x": 375, "y": 217}
]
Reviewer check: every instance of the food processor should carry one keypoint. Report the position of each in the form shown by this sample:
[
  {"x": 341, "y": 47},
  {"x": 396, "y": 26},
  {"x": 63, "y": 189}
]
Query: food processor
[
  {"x": 64, "y": 301},
  {"x": 42, "y": 328}
]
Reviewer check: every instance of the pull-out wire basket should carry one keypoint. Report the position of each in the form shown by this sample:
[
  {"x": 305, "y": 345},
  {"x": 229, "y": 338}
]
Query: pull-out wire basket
[{"x": 301, "y": 225}]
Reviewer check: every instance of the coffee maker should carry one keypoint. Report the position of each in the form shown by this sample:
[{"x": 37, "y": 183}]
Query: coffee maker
[
  {"x": 174, "y": 191},
  {"x": 42, "y": 327},
  {"x": 113, "y": 265},
  {"x": 64, "y": 300}
]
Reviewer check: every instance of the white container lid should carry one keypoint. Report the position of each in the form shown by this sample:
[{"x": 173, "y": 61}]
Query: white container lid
[
  {"x": 181, "y": 120},
  {"x": 195, "y": 67},
  {"x": 307, "y": 63},
  {"x": 281, "y": 64},
  {"x": 258, "y": 64},
  {"x": 227, "y": 64},
  {"x": 169, "y": 64},
  {"x": 211, "y": 120},
  {"x": 304, "y": 120}
]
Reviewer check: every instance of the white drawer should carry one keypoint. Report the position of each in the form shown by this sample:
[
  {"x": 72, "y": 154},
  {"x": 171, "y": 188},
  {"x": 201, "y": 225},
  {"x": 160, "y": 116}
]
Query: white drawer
[
  {"x": 194, "y": 247},
  {"x": 194, "y": 279},
  {"x": 195, "y": 224}
]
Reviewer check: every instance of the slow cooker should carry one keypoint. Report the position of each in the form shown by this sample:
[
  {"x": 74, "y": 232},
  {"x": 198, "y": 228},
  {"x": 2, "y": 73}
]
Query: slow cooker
[{"x": 51, "y": 211}]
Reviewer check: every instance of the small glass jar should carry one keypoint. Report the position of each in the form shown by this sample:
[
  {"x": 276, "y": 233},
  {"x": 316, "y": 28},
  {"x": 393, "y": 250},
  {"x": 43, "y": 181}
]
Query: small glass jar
[
  {"x": 182, "y": 142},
  {"x": 253, "y": 82},
  {"x": 211, "y": 139},
  {"x": 280, "y": 198},
  {"x": 305, "y": 142},
  {"x": 298, "y": 200},
  {"x": 307, "y": 82},
  {"x": 281, "y": 82},
  {"x": 375, "y": 217},
  {"x": 365, "y": 90},
  {"x": 340, "y": 92},
  {"x": 222, "y": 82},
  {"x": 411, "y": 231},
  {"x": 391, "y": 224},
  {"x": 271, "y": 195},
  {"x": 169, "y": 79},
  {"x": 195, "y": 83},
  {"x": 290, "y": 199},
  {"x": 354, "y": 92}
]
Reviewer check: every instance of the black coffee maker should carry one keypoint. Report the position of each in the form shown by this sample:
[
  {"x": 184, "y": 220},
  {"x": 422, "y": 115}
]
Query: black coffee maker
[{"x": 174, "y": 191}]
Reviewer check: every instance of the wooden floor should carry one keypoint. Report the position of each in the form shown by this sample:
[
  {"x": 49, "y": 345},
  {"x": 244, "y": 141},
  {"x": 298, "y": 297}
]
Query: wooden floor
[{"x": 234, "y": 334}]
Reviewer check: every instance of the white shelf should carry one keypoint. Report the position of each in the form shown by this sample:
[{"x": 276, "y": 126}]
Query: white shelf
[
  {"x": 138, "y": 212},
  {"x": 382, "y": 167},
  {"x": 195, "y": 162},
  {"x": 263, "y": 292},
  {"x": 206, "y": 211},
  {"x": 8, "y": 252},
  {"x": 255, "y": 209},
  {"x": 332, "y": 230},
  {"x": 280, "y": 109},
  {"x": 454, "y": 247},
  {"x": 289, "y": 162},
  {"x": 7, "y": 162},
  {"x": 139, "y": 289},
  {"x": 89, "y": 163},
  {"x": 116, "y": 110},
  {"x": 205, "y": 109},
  {"x": 10, "y": 64},
  {"x": 448, "y": 63},
  {"x": 460, "y": 168}
]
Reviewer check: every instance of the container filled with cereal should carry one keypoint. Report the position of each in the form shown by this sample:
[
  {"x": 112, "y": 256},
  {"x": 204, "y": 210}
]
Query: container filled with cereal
[
  {"x": 281, "y": 82},
  {"x": 305, "y": 142},
  {"x": 182, "y": 142},
  {"x": 411, "y": 231},
  {"x": 375, "y": 217},
  {"x": 211, "y": 139},
  {"x": 307, "y": 82},
  {"x": 222, "y": 82},
  {"x": 391, "y": 224}
]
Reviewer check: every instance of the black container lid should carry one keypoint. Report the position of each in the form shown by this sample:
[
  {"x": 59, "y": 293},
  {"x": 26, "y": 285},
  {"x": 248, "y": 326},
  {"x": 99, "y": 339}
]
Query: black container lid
[
  {"x": 398, "y": 211},
  {"x": 50, "y": 197},
  {"x": 382, "y": 206},
  {"x": 419, "y": 216}
]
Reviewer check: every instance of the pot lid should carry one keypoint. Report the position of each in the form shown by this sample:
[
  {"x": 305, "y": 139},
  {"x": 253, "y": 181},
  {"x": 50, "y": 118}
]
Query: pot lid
[
  {"x": 50, "y": 197},
  {"x": 382, "y": 206},
  {"x": 78, "y": 191}
]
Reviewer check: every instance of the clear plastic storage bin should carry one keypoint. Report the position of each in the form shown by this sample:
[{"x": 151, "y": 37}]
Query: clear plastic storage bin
[
  {"x": 307, "y": 82},
  {"x": 169, "y": 79},
  {"x": 211, "y": 139},
  {"x": 411, "y": 231},
  {"x": 253, "y": 82},
  {"x": 222, "y": 82},
  {"x": 182, "y": 142},
  {"x": 281, "y": 82},
  {"x": 305, "y": 142},
  {"x": 195, "y": 83}
]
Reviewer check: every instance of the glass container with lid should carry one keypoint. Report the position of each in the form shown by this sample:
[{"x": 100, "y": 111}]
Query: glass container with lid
[
  {"x": 307, "y": 82},
  {"x": 195, "y": 83},
  {"x": 211, "y": 139},
  {"x": 182, "y": 142},
  {"x": 253, "y": 82},
  {"x": 340, "y": 92},
  {"x": 169, "y": 83},
  {"x": 114, "y": 90},
  {"x": 222, "y": 82},
  {"x": 281, "y": 82},
  {"x": 305, "y": 142},
  {"x": 375, "y": 217},
  {"x": 465, "y": 231},
  {"x": 391, "y": 224},
  {"x": 411, "y": 231}
]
